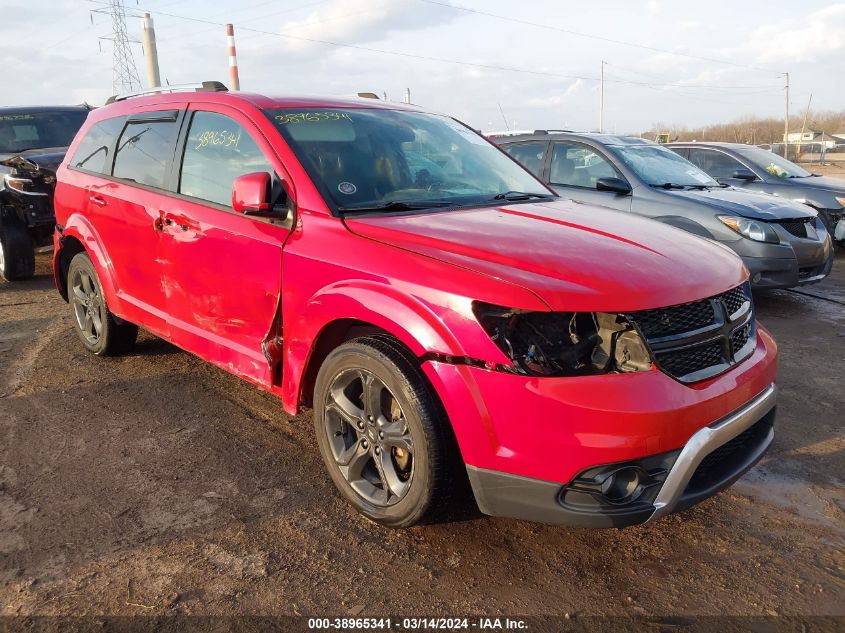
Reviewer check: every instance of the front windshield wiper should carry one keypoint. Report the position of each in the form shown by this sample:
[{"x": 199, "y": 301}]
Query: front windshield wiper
[
  {"x": 522, "y": 195},
  {"x": 669, "y": 185},
  {"x": 397, "y": 205}
]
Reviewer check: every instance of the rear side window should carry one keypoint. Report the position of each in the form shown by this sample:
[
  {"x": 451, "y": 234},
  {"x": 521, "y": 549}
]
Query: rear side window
[
  {"x": 94, "y": 150},
  {"x": 716, "y": 164},
  {"x": 217, "y": 151},
  {"x": 144, "y": 150},
  {"x": 532, "y": 156}
]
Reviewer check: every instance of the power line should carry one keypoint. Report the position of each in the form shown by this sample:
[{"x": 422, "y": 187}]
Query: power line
[
  {"x": 602, "y": 38},
  {"x": 406, "y": 55}
]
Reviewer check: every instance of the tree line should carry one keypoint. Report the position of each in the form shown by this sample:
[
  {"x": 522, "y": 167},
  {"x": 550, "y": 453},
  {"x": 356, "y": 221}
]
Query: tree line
[{"x": 753, "y": 130}]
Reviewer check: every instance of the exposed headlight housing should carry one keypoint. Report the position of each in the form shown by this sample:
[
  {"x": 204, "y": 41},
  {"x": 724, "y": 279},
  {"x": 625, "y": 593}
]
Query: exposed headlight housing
[
  {"x": 564, "y": 343},
  {"x": 752, "y": 229}
]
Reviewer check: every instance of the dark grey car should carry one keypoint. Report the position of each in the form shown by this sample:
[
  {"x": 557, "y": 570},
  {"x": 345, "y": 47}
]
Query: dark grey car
[
  {"x": 783, "y": 243},
  {"x": 756, "y": 169}
]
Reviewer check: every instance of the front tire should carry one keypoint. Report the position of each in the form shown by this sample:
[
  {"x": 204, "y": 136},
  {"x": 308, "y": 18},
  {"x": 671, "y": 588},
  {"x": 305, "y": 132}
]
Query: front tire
[
  {"x": 102, "y": 333},
  {"x": 17, "y": 253},
  {"x": 383, "y": 435}
]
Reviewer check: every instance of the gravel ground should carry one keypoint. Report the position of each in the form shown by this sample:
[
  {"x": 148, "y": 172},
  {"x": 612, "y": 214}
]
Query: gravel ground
[{"x": 156, "y": 484}]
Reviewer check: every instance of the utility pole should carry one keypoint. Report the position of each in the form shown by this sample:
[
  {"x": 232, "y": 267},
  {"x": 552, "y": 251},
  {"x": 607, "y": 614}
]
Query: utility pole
[
  {"x": 407, "y": 96},
  {"x": 601, "y": 98},
  {"x": 124, "y": 72},
  {"x": 150, "y": 51},
  {"x": 234, "y": 78},
  {"x": 786, "y": 121},
  {"x": 804, "y": 123}
]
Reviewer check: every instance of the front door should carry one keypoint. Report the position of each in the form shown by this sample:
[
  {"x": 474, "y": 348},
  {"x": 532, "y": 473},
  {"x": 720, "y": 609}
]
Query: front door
[{"x": 222, "y": 270}]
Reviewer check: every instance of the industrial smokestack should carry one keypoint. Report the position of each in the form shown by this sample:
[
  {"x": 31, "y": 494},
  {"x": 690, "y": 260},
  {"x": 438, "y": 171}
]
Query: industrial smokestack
[
  {"x": 234, "y": 81},
  {"x": 150, "y": 51}
]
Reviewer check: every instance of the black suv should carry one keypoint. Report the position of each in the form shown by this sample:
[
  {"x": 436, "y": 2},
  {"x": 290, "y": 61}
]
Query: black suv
[
  {"x": 33, "y": 142},
  {"x": 756, "y": 169}
]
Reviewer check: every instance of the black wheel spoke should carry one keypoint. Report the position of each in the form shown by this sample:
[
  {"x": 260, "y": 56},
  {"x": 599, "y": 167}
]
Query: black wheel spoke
[{"x": 371, "y": 442}]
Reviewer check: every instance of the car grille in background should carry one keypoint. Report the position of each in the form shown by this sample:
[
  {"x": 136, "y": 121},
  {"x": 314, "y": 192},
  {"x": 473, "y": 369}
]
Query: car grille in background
[
  {"x": 698, "y": 340},
  {"x": 798, "y": 228}
]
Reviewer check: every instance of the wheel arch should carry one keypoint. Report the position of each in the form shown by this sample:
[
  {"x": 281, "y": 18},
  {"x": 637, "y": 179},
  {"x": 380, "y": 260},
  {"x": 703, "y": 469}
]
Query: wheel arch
[
  {"x": 346, "y": 311},
  {"x": 79, "y": 236}
]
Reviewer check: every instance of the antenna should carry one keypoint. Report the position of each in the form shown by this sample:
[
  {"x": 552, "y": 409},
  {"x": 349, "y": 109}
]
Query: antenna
[{"x": 124, "y": 72}]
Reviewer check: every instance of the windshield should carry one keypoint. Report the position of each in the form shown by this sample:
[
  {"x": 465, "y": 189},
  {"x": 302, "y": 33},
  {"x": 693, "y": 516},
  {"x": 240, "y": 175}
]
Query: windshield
[
  {"x": 776, "y": 165},
  {"x": 389, "y": 160},
  {"x": 34, "y": 130},
  {"x": 660, "y": 166}
]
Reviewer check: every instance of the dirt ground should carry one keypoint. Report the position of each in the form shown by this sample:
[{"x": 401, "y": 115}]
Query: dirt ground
[{"x": 156, "y": 484}]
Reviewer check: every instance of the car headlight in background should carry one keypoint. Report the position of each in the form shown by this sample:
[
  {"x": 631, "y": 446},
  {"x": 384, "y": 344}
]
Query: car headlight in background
[
  {"x": 564, "y": 343},
  {"x": 841, "y": 201},
  {"x": 752, "y": 229}
]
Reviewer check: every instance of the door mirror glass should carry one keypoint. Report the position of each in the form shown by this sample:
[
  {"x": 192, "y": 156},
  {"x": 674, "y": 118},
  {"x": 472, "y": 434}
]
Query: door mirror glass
[
  {"x": 251, "y": 194},
  {"x": 615, "y": 185},
  {"x": 744, "y": 174}
]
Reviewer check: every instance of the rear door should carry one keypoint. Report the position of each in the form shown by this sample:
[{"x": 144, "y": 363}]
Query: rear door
[
  {"x": 126, "y": 212},
  {"x": 222, "y": 270},
  {"x": 574, "y": 170}
]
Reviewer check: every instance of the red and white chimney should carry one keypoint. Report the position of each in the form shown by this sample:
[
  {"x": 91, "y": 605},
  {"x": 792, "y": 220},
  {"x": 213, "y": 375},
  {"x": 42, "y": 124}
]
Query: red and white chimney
[{"x": 234, "y": 81}]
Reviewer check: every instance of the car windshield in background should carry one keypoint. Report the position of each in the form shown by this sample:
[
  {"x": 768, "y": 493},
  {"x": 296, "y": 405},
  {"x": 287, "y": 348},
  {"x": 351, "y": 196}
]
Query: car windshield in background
[
  {"x": 35, "y": 130},
  {"x": 659, "y": 166},
  {"x": 772, "y": 163},
  {"x": 367, "y": 160}
]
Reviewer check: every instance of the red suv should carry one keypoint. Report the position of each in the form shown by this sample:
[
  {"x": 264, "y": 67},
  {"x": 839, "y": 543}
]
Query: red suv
[{"x": 447, "y": 317}]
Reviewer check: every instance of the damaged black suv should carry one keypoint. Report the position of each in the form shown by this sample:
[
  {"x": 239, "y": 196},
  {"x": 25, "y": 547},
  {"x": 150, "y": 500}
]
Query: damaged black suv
[{"x": 33, "y": 141}]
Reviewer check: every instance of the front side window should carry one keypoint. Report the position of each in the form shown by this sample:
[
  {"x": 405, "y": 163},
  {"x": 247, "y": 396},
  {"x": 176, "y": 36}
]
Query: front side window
[
  {"x": 531, "y": 155},
  {"x": 217, "y": 151},
  {"x": 21, "y": 131},
  {"x": 378, "y": 159},
  {"x": 774, "y": 164},
  {"x": 576, "y": 165},
  {"x": 93, "y": 152},
  {"x": 144, "y": 151},
  {"x": 661, "y": 167},
  {"x": 716, "y": 164}
]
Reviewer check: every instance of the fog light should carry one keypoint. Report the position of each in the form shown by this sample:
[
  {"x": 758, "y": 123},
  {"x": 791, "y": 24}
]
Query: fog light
[
  {"x": 622, "y": 485},
  {"x": 757, "y": 277}
]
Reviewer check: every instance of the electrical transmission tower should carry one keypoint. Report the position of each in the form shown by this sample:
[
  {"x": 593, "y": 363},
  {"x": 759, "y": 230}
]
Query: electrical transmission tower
[{"x": 124, "y": 72}]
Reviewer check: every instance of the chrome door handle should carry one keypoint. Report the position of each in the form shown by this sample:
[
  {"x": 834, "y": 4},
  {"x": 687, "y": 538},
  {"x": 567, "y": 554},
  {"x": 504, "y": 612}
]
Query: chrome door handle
[{"x": 98, "y": 200}]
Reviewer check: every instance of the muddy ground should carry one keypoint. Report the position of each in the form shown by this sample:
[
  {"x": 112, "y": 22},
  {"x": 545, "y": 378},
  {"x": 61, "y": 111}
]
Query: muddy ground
[{"x": 157, "y": 484}]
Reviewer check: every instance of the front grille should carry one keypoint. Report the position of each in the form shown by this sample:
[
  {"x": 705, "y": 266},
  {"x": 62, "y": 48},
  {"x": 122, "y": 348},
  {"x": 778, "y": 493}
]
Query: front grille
[
  {"x": 700, "y": 339},
  {"x": 798, "y": 228},
  {"x": 691, "y": 360},
  {"x": 723, "y": 461},
  {"x": 674, "y": 320}
]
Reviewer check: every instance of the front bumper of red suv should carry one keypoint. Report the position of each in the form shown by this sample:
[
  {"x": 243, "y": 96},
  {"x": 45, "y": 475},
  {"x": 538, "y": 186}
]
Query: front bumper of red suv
[{"x": 611, "y": 450}]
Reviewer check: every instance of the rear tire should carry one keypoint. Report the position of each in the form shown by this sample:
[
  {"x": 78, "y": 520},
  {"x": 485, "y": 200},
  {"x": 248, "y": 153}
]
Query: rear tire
[
  {"x": 383, "y": 434},
  {"x": 17, "y": 253},
  {"x": 102, "y": 333}
]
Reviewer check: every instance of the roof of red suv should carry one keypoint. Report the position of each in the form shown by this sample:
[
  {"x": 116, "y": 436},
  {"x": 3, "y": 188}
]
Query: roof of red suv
[{"x": 257, "y": 100}]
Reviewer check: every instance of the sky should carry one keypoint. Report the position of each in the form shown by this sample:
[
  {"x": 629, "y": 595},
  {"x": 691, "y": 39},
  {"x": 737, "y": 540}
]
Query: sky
[{"x": 494, "y": 64}]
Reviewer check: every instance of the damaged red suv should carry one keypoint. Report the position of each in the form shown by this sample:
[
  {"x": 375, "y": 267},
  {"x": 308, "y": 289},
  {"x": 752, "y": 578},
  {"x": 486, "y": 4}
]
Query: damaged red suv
[{"x": 447, "y": 317}]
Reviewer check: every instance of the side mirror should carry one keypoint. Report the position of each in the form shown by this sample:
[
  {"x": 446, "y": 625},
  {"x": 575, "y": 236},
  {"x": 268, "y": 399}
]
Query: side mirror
[
  {"x": 251, "y": 194},
  {"x": 616, "y": 185},
  {"x": 744, "y": 174}
]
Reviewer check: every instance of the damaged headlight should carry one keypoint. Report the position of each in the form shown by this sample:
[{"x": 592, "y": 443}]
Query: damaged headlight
[{"x": 564, "y": 343}]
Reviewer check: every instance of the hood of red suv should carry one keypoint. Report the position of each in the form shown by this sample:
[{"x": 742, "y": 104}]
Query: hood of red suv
[{"x": 573, "y": 256}]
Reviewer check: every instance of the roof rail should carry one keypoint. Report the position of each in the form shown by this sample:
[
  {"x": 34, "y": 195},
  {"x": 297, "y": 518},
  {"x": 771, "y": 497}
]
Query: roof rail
[{"x": 205, "y": 86}]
